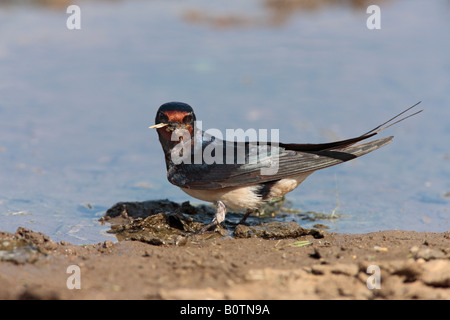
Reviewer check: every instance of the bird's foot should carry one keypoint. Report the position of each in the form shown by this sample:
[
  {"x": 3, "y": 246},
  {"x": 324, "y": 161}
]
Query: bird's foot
[
  {"x": 247, "y": 213},
  {"x": 221, "y": 211}
]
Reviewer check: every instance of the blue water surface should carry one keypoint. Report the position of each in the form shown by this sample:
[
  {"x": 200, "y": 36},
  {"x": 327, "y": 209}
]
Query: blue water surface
[{"x": 75, "y": 105}]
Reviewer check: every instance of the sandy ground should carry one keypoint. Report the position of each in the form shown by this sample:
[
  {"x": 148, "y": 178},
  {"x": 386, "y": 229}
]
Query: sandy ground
[{"x": 268, "y": 261}]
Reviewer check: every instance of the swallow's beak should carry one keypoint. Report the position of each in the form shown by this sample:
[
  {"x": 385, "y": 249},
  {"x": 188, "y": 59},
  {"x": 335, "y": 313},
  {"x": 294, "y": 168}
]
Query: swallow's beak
[{"x": 159, "y": 125}]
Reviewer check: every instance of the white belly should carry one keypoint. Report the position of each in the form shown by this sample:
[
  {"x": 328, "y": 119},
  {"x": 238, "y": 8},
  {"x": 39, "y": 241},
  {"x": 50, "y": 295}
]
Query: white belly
[
  {"x": 241, "y": 198},
  {"x": 235, "y": 198}
]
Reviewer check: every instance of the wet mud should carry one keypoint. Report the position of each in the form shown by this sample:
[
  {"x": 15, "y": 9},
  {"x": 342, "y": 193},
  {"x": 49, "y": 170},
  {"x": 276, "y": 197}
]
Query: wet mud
[
  {"x": 162, "y": 222},
  {"x": 160, "y": 255}
]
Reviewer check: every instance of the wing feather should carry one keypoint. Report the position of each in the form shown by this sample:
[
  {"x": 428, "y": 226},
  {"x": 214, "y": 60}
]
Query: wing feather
[
  {"x": 214, "y": 176},
  {"x": 291, "y": 159}
]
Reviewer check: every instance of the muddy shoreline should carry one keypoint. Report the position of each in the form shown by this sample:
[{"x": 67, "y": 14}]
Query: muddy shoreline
[{"x": 159, "y": 256}]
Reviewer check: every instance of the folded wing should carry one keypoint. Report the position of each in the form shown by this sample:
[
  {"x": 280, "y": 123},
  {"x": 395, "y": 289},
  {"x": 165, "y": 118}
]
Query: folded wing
[{"x": 288, "y": 159}]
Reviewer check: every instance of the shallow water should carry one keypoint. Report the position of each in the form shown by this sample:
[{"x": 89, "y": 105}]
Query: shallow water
[{"x": 75, "y": 105}]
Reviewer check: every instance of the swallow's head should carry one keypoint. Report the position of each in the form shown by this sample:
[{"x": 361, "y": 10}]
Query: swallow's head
[{"x": 174, "y": 120}]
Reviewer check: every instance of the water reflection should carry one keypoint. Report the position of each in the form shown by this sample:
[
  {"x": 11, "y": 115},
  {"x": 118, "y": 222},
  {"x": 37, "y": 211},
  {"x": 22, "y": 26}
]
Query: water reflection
[
  {"x": 275, "y": 12},
  {"x": 52, "y": 4},
  {"x": 39, "y": 3}
]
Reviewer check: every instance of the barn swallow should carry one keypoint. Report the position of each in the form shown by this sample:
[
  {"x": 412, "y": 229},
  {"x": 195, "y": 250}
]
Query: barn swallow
[{"x": 241, "y": 185}]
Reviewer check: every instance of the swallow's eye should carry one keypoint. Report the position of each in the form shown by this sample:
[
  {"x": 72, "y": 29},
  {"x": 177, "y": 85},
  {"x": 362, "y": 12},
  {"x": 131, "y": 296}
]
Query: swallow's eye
[
  {"x": 188, "y": 119},
  {"x": 162, "y": 117}
]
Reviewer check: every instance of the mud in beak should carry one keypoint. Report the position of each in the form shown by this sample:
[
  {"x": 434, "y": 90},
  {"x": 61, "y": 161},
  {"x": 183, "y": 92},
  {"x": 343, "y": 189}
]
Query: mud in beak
[{"x": 159, "y": 125}]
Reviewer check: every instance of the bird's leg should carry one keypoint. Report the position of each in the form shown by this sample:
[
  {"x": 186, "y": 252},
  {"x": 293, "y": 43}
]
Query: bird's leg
[
  {"x": 247, "y": 213},
  {"x": 221, "y": 211}
]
